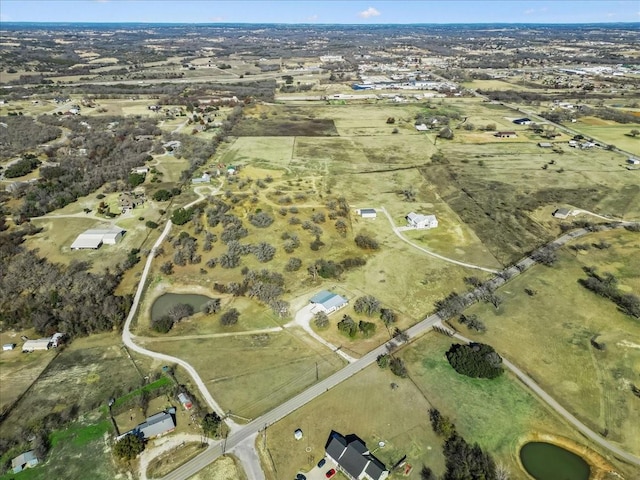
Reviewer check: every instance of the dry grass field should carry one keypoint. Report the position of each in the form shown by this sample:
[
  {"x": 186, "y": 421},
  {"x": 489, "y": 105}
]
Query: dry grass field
[
  {"x": 558, "y": 323},
  {"x": 224, "y": 468},
  {"x": 251, "y": 374}
]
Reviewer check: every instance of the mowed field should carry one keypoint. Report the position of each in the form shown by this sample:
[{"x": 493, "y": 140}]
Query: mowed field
[
  {"x": 251, "y": 374},
  {"x": 497, "y": 414},
  {"x": 556, "y": 326},
  {"x": 611, "y": 133}
]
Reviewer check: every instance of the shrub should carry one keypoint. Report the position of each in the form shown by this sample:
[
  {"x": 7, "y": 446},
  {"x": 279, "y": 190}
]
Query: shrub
[
  {"x": 261, "y": 220},
  {"x": 129, "y": 447},
  {"x": 369, "y": 305},
  {"x": 348, "y": 325},
  {"x": 366, "y": 243},
  {"x": 321, "y": 320},
  {"x": 181, "y": 216},
  {"x": 230, "y": 317},
  {"x": 293, "y": 265},
  {"x": 151, "y": 224},
  {"x": 397, "y": 367},
  {"x": 264, "y": 252},
  {"x": 162, "y": 324},
  {"x": 162, "y": 195}
]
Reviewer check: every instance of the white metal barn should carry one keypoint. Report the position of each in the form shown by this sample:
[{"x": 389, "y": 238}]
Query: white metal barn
[{"x": 94, "y": 238}]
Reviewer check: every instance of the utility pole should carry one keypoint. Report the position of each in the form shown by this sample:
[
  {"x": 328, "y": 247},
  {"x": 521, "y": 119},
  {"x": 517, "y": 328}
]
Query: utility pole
[{"x": 317, "y": 372}]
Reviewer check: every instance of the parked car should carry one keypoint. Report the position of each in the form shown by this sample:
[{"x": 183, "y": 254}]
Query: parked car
[
  {"x": 322, "y": 462},
  {"x": 330, "y": 473},
  {"x": 300, "y": 477}
]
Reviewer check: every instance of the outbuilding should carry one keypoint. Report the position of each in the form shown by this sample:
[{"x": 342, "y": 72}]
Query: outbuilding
[
  {"x": 368, "y": 213},
  {"x": 24, "y": 460},
  {"x": 8, "y": 346},
  {"x": 633, "y": 161},
  {"x": 505, "y": 134},
  {"x": 94, "y": 238},
  {"x": 561, "y": 213},
  {"x": 37, "y": 344}
]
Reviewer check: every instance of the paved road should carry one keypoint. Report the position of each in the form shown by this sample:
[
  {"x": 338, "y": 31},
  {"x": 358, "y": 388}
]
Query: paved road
[{"x": 244, "y": 432}]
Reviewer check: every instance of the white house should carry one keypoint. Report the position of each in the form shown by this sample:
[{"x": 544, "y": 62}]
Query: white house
[
  {"x": 327, "y": 302},
  {"x": 93, "y": 238},
  {"x": 416, "y": 220},
  {"x": 368, "y": 213},
  {"x": 205, "y": 178},
  {"x": 38, "y": 344}
]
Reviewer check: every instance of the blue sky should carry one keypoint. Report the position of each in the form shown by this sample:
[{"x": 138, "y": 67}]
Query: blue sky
[{"x": 335, "y": 11}]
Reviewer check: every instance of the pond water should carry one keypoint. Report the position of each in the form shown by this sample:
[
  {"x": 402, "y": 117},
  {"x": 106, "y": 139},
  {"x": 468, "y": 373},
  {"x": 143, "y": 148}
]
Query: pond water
[
  {"x": 164, "y": 302},
  {"x": 545, "y": 461}
]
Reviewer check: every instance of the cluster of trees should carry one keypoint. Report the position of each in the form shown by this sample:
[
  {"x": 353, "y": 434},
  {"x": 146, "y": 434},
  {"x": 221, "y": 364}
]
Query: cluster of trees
[
  {"x": 351, "y": 328},
  {"x": 24, "y": 133},
  {"x": 366, "y": 242},
  {"x": 163, "y": 195},
  {"x": 395, "y": 364},
  {"x": 129, "y": 447},
  {"x": 472, "y": 322},
  {"x": 606, "y": 285},
  {"x": 264, "y": 285},
  {"x": 476, "y": 360},
  {"x": 52, "y": 297},
  {"x": 176, "y": 313},
  {"x": 330, "y": 269},
  {"x": 111, "y": 154},
  {"x": 462, "y": 460},
  {"x": 27, "y": 164}
]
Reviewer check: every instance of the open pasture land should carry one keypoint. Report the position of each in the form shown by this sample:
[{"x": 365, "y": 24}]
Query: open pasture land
[
  {"x": 611, "y": 133},
  {"x": 80, "y": 448},
  {"x": 557, "y": 326},
  {"x": 251, "y": 374},
  {"x": 262, "y": 152},
  {"x": 499, "y": 414},
  {"x": 170, "y": 166},
  {"x": 484, "y": 85},
  {"x": 19, "y": 369},
  {"x": 84, "y": 374},
  {"x": 366, "y": 406},
  {"x": 495, "y": 187}
]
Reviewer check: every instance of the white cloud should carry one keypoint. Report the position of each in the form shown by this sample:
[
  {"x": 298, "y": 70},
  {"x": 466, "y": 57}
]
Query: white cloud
[
  {"x": 611, "y": 15},
  {"x": 369, "y": 12},
  {"x": 312, "y": 18},
  {"x": 529, "y": 11},
  {"x": 217, "y": 19}
]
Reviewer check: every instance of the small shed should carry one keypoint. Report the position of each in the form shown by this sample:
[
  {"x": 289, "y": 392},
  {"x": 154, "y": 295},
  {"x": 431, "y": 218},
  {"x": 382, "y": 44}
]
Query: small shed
[
  {"x": 561, "y": 213},
  {"x": 297, "y": 434},
  {"x": 24, "y": 460},
  {"x": 421, "y": 127},
  {"x": 544, "y": 145},
  {"x": 505, "y": 134},
  {"x": 8, "y": 346},
  {"x": 185, "y": 401},
  {"x": 633, "y": 161},
  {"x": 39, "y": 344},
  {"x": 368, "y": 213}
]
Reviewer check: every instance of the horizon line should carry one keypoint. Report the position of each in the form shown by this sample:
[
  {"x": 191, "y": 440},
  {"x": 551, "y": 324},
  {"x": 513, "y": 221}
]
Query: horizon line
[{"x": 12, "y": 22}]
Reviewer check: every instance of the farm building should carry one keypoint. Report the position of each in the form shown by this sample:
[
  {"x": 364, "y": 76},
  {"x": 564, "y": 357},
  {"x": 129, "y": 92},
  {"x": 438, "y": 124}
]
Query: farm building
[
  {"x": 368, "y": 213},
  {"x": 505, "y": 134},
  {"x": 353, "y": 458},
  {"x": 633, "y": 161},
  {"x": 421, "y": 127},
  {"x": 24, "y": 460},
  {"x": 38, "y": 344},
  {"x": 522, "y": 121},
  {"x": 545, "y": 145},
  {"x": 415, "y": 220},
  {"x": 8, "y": 346},
  {"x": 561, "y": 213},
  {"x": 185, "y": 401},
  {"x": 205, "y": 178},
  {"x": 327, "y": 302},
  {"x": 94, "y": 238}
]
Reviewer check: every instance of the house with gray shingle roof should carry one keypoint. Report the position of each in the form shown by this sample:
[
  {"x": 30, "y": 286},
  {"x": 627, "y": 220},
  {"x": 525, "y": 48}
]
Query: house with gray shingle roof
[{"x": 353, "y": 458}]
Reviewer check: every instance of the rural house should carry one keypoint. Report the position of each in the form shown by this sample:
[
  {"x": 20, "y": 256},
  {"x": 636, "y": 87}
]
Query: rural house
[
  {"x": 24, "y": 460},
  {"x": 129, "y": 201},
  {"x": 352, "y": 457},
  {"x": 522, "y": 121},
  {"x": 415, "y": 220},
  {"x": 155, "y": 425},
  {"x": 327, "y": 302},
  {"x": 505, "y": 134}
]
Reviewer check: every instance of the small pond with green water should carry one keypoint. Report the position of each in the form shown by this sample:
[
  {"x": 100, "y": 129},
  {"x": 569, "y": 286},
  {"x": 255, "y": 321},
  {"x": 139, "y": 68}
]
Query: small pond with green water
[
  {"x": 164, "y": 302},
  {"x": 545, "y": 461}
]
